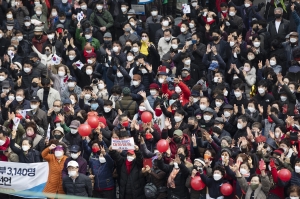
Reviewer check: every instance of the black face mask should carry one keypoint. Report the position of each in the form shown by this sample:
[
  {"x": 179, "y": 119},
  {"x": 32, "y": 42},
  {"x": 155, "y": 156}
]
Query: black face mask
[
  {"x": 197, "y": 167},
  {"x": 215, "y": 38},
  {"x": 34, "y": 84},
  {"x": 277, "y": 16},
  {"x": 216, "y": 130},
  {"x": 255, "y": 29},
  {"x": 191, "y": 126},
  {"x": 177, "y": 140},
  {"x": 107, "y": 43},
  {"x": 57, "y": 137},
  {"x": 38, "y": 36}
]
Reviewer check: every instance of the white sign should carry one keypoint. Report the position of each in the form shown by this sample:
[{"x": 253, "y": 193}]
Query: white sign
[
  {"x": 186, "y": 8},
  {"x": 17, "y": 177},
  {"x": 139, "y": 9},
  {"x": 125, "y": 144}
]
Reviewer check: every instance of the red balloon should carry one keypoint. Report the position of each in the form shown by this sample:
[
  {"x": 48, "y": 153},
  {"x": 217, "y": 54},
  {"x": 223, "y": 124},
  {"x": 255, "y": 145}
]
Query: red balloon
[
  {"x": 162, "y": 145},
  {"x": 284, "y": 175},
  {"x": 84, "y": 129},
  {"x": 226, "y": 189},
  {"x": 146, "y": 117},
  {"x": 93, "y": 121},
  {"x": 197, "y": 184}
]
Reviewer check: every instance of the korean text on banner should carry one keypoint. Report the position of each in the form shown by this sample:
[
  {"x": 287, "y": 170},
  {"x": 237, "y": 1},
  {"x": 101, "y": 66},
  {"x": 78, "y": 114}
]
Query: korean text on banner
[
  {"x": 125, "y": 144},
  {"x": 22, "y": 177}
]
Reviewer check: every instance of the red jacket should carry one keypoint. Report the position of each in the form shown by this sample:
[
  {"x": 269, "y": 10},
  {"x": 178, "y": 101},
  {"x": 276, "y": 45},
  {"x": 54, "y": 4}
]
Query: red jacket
[
  {"x": 173, "y": 147},
  {"x": 184, "y": 95},
  {"x": 4, "y": 147},
  {"x": 38, "y": 44}
]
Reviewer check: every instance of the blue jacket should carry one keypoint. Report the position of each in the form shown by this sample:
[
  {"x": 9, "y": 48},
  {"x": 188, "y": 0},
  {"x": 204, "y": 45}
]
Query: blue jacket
[
  {"x": 65, "y": 8},
  {"x": 297, "y": 22},
  {"x": 102, "y": 171},
  {"x": 295, "y": 180}
]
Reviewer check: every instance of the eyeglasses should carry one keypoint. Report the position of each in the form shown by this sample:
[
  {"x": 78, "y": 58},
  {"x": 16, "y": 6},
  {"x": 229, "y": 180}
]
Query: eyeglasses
[
  {"x": 144, "y": 36},
  {"x": 56, "y": 106}
]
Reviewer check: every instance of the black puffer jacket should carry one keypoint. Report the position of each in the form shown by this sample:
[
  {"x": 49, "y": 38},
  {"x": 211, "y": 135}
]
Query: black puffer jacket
[
  {"x": 180, "y": 190},
  {"x": 28, "y": 33},
  {"x": 132, "y": 184},
  {"x": 81, "y": 187}
]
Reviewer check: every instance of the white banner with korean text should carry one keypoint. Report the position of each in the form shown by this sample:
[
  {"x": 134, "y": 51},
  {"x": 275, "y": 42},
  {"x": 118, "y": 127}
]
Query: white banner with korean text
[
  {"x": 23, "y": 177},
  {"x": 124, "y": 144}
]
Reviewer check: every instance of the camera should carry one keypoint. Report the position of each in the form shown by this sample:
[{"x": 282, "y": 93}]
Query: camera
[{"x": 95, "y": 81}]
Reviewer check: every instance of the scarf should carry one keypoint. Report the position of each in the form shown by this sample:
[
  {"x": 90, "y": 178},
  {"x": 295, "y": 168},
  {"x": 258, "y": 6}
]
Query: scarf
[
  {"x": 128, "y": 166},
  {"x": 187, "y": 78},
  {"x": 211, "y": 22},
  {"x": 171, "y": 182},
  {"x": 144, "y": 48}
]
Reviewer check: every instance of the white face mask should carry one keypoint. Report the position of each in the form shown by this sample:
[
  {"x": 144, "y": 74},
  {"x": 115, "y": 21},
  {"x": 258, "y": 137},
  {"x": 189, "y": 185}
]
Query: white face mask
[
  {"x": 102, "y": 160},
  {"x": 243, "y": 171},
  {"x": 71, "y": 84},
  {"x": 89, "y": 71},
  {"x": 294, "y": 197},
  {"x": 58, "y": 153},
  {"x": 89, "y": 61},
  {"x": 237, "y": 94},
  {"x": 56, "y": 109},
  {"x": 54, "y": 14},
  {"x": 231, "y": 14},
  {"x": 99, "y": 7},
  {"x": 27, "y": 24},
  {"x": 202, "y": 107},
  {"x": 216, "y": 79},
  {"x": 225, "y": 93},
  {"x": 106, "y": 109},
  {"x": 142, "y": 108},
  {"x": 277, "y": 134},
  {"x": 191, "y": 25},
  {"x": 177, "y": 118},
  {"x": 25, "y": 148},
  {"x": 177, "y": 89},
  {"x": 161, "y": 80},
  {"x": 2, "y": 142},
  {"x": 72, "y": 173},
  {"x": 9, "y": 16},
  {"x": 283, "y": 98},
  {"x": 261, "y": 90},
  {"x": 171, "y": 101},
  {"x": 217, "y": 177},
  {"x": 272, "y": 62},
  {"x": 135, "y": 83},
  {"x": 119, "y": 74},
  {"x": 167, "y": 38},
  {"x": 83, "y": 7},
  {"x": 129, "y": 58},
  {"x": 153, "y": 92},
  {"x": 130, "y": 158},
  {"x": 293, "y": 40},
  {"x": 247, "y": 5},
  {"x": 71, "y": 57},
  {"x": 27, "y": 70},
  {"x": 100, "y": 86},
  {"x": 115, "y": 49},
  {"x": 11, "y": 98},
  {"x": 33, "y": 106},
  {"x": 195, "y": 99},
  {"x": 87, "y": 96},
  {"x": 19, "y": 98},
  {"x": 2, "y": 78},
  {"x": 74, "y": 155},
  {"x": 194, "y": 4},
  {"x": 218, "y": 104},
  {"x": 207, "y": 117},
  {"x": 297, "y": 169},
  {"x": 174, "y": 46},
  {"x": 9, "y": 27},
  {"x": 209, "y": 19},
  {"x": 227, "y": 114},
  {"x": 144, "y": 71},
  {"x": 87, "y": 36},
  {"x": 165, "y": 23},
  {"x": 182, "y": 29},
  {"x": 231, "y": 43},
  {"x": 124, "y": 9},
  {"x": 187, "y": 62},
  {"x": 61, "y": 73},
  {"x": 135, "y": 49},
  {"x": 73, "y": 131},
  {"x": 251, "y": 109},
  {"x": 256, "y": 44},
  {"x": 20, "y": 38},
  {"x": 154, "y": 13},
  {"x": 239, "y": 126},
  {"x": 50, "y": 36}
]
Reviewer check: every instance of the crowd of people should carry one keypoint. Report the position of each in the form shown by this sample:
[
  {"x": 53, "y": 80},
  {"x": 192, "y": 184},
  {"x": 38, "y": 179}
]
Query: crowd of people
[{"x": 222, "y": 87}]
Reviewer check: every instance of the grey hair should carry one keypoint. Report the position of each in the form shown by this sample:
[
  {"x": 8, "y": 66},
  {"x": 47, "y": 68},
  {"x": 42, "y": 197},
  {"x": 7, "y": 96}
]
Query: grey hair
[{"x": 278, "y": 8}]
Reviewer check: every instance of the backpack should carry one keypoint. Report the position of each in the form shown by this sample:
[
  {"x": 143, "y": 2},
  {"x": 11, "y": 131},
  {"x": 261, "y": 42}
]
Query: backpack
[
  {"x": 150, "y": 191},
  {"x": 126, "y": 109}
]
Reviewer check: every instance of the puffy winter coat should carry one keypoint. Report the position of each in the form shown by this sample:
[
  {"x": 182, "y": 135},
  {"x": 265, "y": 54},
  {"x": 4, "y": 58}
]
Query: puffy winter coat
[
  {"x": 260, "y": 193},
  {"x": 81, "y": 186},
  {"x": 183, "y": 96}
]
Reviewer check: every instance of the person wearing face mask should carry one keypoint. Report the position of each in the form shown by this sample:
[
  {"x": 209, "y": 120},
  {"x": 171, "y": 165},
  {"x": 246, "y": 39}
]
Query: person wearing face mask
[
  {"x": 239, "y": 98},
  {"x": 56, "y": 162},
  {"x": 121, "y": 19},
  {"x": 37, "y": 66},
  {"x": 39, "y": 38},
  {"x": 127, "y": 102},
  {"x": 294, "y": 191},
  {"x": 295, "y": 180},
  {"x": 72, "y": 88},
  {"x": 164, "y": 43},
  {"x": 137, "y": 85},
  {"x": 130, "y": 167},
  {"x": 101, "y": 18},
  {"x": 207, "y": 120},
  {"x": 109, "y": 113},
  {"x": 4, "y": 143},
  {"x": 234, "y": 20},
  {"x": 55, "y": 42},
  {"x": 189, "y": 72},
  {"x": 65, "y": 10},
  {"x": 152, "y": 21},
  {"x": 278, "y": 25},
  {"x": 165, "y": 24},
  {"x": 242, "y": 123},
  {"x": 24, "y": 45},
  {"x": 213, "y": 184},
  {"x": 287, "y": 98},
  {"x": 74, "y": 178},
  {"x": 47, "y": 94},
  {"x": 263, "y": 97},
  {"x": 6, "y": 42},
  {"x": 40, "y": 14},
  {"x": 185, "y": 34},
  {"x": 26, "y": 154},
  {"x": 248, "y": 11},
  {"x": 154, "y": 93},
  {"x": 101, "y": 165},
  {"x": 128, "y": 35},
  {"x": 259, "y": 185},
  {"x": 249, "y": 75},
  {"x": 120, "y": 76},
  {"x": 88, "y": 37},
  {"x": 75, "y": 156},
  {"x": 290, "y": 46}
]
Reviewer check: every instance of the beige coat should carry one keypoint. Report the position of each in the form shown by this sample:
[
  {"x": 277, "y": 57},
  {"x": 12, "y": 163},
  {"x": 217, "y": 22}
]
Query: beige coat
[{"x": 53, "y": 95}]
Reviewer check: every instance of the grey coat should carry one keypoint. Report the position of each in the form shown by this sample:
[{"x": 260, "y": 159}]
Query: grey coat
[{"x": 260, "y": 193}]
